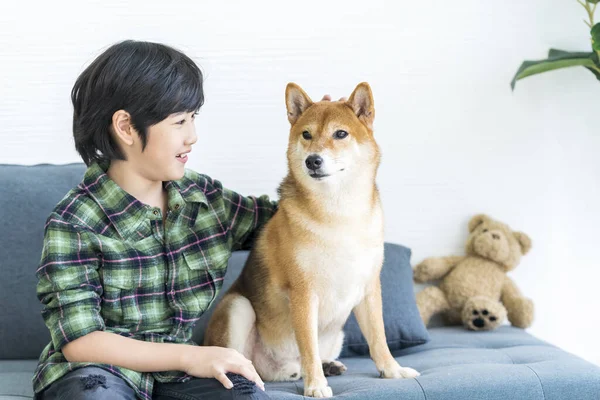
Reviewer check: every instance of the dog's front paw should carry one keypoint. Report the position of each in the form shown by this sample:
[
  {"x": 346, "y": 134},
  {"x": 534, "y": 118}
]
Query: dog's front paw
[
  {"x": 318, "y": 391},
  {"x": 395, "y": 371}
]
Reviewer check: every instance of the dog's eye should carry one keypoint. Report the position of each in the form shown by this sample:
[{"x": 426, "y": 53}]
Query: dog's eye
[
  {"x": 485, "y": 230},
  {"x": 340, "y": 134},
  {"x": 306, "y": 135}
]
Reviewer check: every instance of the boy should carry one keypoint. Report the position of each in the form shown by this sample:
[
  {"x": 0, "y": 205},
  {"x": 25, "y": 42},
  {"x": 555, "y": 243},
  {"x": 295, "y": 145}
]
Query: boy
[{"x": 137, "y": 252}]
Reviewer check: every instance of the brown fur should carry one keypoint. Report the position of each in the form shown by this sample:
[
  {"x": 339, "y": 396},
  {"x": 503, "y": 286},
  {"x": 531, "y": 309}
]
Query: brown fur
[
  {"x": 320, "y": 255},
  {"x": 475, "y": 289}
]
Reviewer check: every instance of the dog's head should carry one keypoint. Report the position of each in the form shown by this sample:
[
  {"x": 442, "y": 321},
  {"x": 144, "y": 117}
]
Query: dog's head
[
  {"x": 331, "y": 141},
  {"x": 494, "y": 240}
]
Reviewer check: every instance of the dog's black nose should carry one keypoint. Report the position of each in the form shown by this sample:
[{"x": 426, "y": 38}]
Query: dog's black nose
[
  {"x": 478, "y": 322},
  {"x": 314, "y": 162}
]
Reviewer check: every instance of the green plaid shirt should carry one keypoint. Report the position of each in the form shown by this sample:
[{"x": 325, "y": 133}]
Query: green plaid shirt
[{"x": 107, "y": 264}]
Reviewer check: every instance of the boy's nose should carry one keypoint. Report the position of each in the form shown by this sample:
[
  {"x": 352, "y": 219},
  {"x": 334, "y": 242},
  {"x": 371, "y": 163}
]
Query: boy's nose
[
  {"x": 314, "y": 162},
  {"x": 192, "y": 137}
]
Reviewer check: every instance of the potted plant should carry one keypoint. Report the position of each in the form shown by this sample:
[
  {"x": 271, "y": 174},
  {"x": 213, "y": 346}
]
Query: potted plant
[{"x": 563, "y": 59}]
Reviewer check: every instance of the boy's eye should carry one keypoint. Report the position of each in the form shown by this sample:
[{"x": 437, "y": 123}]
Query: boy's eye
[{"x": 181, "y": 122}]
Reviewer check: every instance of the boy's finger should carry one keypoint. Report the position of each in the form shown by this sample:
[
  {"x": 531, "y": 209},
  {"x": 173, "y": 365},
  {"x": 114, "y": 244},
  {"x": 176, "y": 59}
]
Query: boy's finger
[
  {"x": 221, "y": 377},
  {"x": 343, "y": 99},
  {"x": 326, "y": 98},
  {"x": 250, "y": 374}
]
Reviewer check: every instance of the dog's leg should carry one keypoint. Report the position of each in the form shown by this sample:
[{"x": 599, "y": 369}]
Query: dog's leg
[
  {"x": 242, "y": 329},
  {"x": 304, "y": 307},
  {"x": 330, "y": 347},
  {"x": 233, "y": 325},
  {"x": 275, "y": 367},
  {"x": 370, "y": 319}
]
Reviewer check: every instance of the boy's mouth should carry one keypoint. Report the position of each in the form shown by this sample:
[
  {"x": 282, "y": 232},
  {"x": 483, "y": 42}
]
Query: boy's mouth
[{"x": 182, "y": 157}]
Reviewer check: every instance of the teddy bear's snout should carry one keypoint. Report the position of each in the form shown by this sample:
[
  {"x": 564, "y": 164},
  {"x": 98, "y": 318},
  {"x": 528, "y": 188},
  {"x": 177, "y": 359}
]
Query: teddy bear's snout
[{"x": 479, "y": 322}]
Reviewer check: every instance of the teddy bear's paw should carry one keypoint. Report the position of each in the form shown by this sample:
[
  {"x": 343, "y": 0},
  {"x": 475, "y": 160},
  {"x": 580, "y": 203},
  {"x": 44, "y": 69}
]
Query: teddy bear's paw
[
  {"x": 482, "y": 314},
  {"x": 521, "y": 313},
  {"x": 484, "y": 320},
  {"x": 426, "y": 270}
]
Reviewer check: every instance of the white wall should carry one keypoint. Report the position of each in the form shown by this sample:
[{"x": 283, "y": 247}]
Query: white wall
[{"x": 456, "y": 141}]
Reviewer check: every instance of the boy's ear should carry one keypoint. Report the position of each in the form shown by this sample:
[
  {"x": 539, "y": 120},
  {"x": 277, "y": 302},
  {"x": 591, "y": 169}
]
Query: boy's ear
[
  {"x": 296, "y": 102},
  {"x": 361, "y": 101},
  {"x": 122, "y": 127}
]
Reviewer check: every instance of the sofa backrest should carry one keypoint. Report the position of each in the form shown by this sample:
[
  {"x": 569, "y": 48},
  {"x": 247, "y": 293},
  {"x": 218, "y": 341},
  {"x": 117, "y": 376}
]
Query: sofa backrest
[{"x": 28, "y": 194}]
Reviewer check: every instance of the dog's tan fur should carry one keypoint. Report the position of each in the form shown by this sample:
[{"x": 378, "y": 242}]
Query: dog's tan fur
[{"x": 318, "y": 258}]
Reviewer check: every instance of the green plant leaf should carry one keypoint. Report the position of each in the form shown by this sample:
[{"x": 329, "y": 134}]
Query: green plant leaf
[
  {"x": 594, "y": 56},
  {"x": 592, "y": 1},
  {"x": 556, "y": 59},
  {"x": 595, "y": 32}
]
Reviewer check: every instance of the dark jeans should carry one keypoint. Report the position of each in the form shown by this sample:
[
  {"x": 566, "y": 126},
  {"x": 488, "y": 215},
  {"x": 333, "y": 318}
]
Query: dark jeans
[{"x": 93, "y": 383}]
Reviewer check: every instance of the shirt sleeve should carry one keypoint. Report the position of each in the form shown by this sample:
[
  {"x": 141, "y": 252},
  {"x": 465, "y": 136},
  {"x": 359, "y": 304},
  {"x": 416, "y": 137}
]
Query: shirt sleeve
[
  {"x": 246, "y": 216},
  {"x": 68, "y": 284}
]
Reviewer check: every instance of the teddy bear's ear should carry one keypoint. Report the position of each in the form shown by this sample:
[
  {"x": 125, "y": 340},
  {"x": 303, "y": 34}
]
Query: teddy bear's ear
[
  {"x": 476, "y": 221},
  {"x": 524, "y": 241}
]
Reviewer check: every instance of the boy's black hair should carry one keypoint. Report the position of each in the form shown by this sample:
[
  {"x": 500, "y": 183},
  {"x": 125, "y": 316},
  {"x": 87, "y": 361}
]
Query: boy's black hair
[{"x": 148, "y": 80}]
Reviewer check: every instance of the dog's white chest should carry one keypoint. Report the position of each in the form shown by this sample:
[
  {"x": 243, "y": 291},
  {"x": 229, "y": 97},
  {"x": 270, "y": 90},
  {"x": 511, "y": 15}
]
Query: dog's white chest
[{"x": 340, "y": 264}]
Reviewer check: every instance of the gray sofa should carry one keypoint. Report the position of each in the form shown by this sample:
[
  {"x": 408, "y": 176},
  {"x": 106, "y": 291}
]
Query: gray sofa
[{"x": 455, "y": 364}]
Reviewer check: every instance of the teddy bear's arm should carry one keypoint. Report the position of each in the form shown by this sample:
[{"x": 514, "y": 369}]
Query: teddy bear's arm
[
  {"x": 519, "y": 308},
  {"x": 435, "y": 268}
]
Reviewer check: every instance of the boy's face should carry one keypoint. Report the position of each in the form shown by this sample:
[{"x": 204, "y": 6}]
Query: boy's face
[{"x": 167, "y": 145}]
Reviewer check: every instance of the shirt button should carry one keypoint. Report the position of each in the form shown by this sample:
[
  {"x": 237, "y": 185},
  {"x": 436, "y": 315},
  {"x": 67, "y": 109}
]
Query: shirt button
[
  {"x": 155, "y": 212},
  {"x": 177, "y": 206}
]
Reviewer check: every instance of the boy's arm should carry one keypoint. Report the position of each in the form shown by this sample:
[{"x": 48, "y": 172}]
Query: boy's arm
[
  {"x": 68, "y": 282},
  {"x": 137, "y": 355},
  {"x": 69, "y": 286},
  {"x": 110, "y": 348},
  {"x": 70, "y": 289},
  {"x": 246, "y": 216}
]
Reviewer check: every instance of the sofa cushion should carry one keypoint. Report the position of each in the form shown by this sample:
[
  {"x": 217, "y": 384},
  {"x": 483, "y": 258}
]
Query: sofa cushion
[
  {"x": 27, "y": 197},
  {"x": 456, "y": 364},
  {"x": 403, "y": 324}
]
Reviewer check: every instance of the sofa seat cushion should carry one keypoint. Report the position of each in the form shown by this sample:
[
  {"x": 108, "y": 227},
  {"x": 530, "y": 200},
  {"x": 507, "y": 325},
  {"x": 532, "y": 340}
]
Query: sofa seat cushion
[{"x": 456, "y": 364}]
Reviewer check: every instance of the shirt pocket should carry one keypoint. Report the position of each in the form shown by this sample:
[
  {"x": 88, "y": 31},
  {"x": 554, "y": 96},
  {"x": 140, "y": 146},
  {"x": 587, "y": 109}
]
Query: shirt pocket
[
  {"x": 205, "y": 267},
  {"x": 132, "y": 287}
]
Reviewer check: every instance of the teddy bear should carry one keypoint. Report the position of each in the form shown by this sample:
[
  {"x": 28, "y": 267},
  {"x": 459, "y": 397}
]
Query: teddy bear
[{"x": 475, "y": 290}]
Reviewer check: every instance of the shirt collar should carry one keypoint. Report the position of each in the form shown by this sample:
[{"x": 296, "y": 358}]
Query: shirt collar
[{"x": 124, "y": 211}]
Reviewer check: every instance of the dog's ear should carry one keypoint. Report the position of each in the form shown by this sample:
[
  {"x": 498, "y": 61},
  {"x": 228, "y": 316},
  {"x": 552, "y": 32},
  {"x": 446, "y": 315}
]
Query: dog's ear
[
  {"x": 476, "y": 221},
  {"x": 361, "y": 101},
  {"x": 524, "y": 241},
  {"x": 296, "y": 101}
]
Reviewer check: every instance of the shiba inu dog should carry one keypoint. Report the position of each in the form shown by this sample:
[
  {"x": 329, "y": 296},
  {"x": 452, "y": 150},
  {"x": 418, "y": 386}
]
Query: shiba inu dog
[{"x": 319, "y": 257}]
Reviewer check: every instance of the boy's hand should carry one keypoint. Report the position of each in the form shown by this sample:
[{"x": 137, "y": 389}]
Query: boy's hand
[
  {"x": 328, "y": 98},
  {"x": 215, "y": 362}
]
